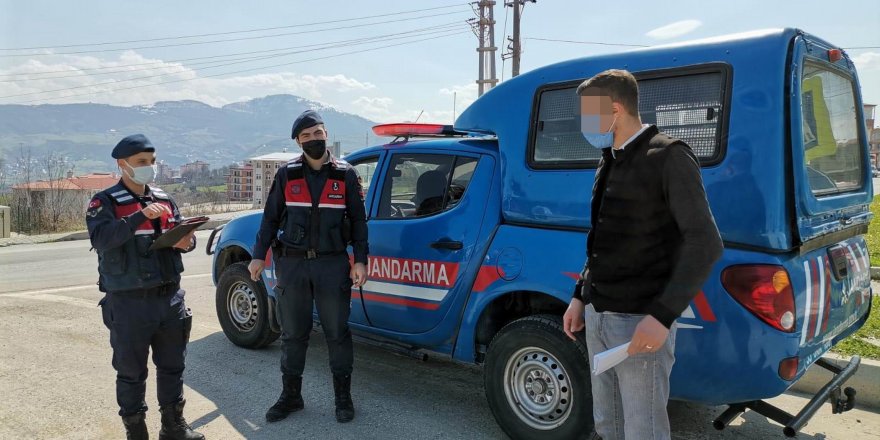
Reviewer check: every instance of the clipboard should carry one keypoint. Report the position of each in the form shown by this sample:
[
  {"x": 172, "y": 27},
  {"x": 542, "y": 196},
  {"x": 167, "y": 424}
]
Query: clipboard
[{"x": 173, "y": 235}]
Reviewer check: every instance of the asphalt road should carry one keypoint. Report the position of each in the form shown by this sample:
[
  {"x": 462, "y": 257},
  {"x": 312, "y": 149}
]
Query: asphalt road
[{"x": 56, "y": 381}]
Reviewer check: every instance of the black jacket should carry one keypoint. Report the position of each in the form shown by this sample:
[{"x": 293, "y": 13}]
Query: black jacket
[
  {"x": 122, "y": 235},
  {"x": 653, "y": 239}
]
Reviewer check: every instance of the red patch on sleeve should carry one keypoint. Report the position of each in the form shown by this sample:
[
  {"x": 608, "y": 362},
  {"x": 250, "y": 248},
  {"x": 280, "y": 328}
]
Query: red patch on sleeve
[{"x": 94, "y": 203}]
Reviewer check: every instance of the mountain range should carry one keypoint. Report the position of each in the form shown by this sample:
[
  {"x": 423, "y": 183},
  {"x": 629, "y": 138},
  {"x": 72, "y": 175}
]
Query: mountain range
[{"x": 182, "y": 131}]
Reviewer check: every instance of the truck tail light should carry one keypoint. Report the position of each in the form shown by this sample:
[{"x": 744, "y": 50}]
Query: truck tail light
[{"x": 765, "y": 290}]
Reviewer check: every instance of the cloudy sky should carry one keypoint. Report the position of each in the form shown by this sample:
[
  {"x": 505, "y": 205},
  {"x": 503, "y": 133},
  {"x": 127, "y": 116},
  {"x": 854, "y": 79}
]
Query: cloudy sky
[{"x": 387, "y": 61}]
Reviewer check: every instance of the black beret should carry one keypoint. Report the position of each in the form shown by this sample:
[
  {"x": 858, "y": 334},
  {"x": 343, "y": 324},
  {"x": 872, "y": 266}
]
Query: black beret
[
  {"x": 131, "y": 145},
  {"x": 307, "y": 119}
]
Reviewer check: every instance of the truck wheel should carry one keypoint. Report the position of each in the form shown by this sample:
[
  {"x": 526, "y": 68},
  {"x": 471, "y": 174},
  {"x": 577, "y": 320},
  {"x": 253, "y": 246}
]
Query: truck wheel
[
  {"x": 537, "y": 381},
  {"x": 243, "y": 308}
]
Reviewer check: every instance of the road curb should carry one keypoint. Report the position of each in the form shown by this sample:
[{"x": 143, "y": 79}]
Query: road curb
[
  {"x": 866, "y": 380},
  {"x": 875, "y": 273}
]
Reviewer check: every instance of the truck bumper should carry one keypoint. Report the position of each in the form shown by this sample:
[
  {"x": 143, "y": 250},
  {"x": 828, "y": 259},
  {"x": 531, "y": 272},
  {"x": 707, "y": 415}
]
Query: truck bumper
[{"x": 840, "y": 400}]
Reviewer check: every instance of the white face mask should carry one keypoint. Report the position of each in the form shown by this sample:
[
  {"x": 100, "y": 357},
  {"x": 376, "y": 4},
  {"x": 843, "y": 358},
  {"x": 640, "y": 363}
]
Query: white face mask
[{"x": 142, "y": 175}]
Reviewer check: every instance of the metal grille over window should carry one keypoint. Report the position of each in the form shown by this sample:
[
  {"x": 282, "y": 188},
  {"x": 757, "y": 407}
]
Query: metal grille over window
[
  {"x": 559, "y": 137},
  {"x": 688, "y": 107},
  {"x": 685, "y": 107}
]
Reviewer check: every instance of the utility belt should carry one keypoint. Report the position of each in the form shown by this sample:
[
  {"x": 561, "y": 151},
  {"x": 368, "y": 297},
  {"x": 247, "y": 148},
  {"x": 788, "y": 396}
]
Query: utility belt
[
  {"x": 308, "y": 254},
  {"x": 163, "y": 290}
]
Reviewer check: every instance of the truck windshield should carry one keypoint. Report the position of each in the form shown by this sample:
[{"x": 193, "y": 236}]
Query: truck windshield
[{"x": 832, "y": 154}]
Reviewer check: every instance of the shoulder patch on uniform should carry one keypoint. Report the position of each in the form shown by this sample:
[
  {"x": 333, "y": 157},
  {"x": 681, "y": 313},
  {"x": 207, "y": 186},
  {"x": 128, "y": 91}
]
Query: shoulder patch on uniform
[
  {"x": 122, "y": 197},
  {"x": 294, "y": 172},
  {"x": 95, "y": 207},
  {"x": 157, "y": 192},
  {"x": 341, "y": 164},
  {"x": 119, "y": 195}
]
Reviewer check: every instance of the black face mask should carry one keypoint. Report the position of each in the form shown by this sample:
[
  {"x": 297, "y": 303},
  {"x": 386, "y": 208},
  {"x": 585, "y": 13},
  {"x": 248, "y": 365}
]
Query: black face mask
[{"x": 315, "y": 148}]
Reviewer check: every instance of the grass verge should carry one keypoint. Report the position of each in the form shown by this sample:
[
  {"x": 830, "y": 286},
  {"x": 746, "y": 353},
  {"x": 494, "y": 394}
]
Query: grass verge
[{"x": 860, "y": 343}]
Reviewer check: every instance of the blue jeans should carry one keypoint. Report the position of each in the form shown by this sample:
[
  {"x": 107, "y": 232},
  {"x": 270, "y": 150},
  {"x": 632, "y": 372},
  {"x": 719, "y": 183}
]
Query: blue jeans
[{"x": 629, "y": 400}]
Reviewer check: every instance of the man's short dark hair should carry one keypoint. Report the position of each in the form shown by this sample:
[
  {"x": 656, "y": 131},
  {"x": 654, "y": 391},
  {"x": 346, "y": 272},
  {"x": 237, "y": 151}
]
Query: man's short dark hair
[{"x": 618, "y": 84}]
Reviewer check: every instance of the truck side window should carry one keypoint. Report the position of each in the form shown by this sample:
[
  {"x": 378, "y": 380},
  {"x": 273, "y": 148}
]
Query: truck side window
[
  {"x": 366, "y": 170},
  {"x": 683, "y": 104},
  {"x": 832, "y": 154},
  {"x": 420, "y": 185}
]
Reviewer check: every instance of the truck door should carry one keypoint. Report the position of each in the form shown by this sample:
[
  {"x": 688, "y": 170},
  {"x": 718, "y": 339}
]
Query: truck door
[
  {"x": 833, "y": 189},
  {"x": 367, "y": 166},
  {"x": 424, "y": 229}
]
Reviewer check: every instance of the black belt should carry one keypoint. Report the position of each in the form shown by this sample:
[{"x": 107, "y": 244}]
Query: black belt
[
  {"x": 165, "y": 289},
  {"x": 308, "y": 254}
]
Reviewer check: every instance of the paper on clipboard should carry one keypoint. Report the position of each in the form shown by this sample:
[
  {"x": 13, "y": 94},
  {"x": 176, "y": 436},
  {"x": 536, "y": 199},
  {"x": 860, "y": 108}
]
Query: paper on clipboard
[{"x": 607, "y": 359}]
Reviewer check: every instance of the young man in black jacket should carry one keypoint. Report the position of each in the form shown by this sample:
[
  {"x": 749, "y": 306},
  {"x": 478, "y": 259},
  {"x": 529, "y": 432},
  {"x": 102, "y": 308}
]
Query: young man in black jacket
[{"x": 652, "y": 244}]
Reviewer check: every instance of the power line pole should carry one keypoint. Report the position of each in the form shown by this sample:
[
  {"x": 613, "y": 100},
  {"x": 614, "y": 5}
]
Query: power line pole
[
  {"x": 515, "y": 45},
  {"x": 484, "y": 28}
]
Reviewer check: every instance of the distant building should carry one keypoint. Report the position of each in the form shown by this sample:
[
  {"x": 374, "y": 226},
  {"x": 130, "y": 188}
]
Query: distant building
[
  {"x": 78, "y": 190},
  {"x": 264, "y": 168},
  {"x": 88, "y": 183},
  {"x": 164, "y": 172},
  {"x": 873, "y": 134},
  {"x": 197, "y": 168},
  {"x": 240, "y": 183}
]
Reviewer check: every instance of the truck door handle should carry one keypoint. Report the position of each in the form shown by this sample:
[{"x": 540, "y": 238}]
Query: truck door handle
[{"x": 447, "y": 244}]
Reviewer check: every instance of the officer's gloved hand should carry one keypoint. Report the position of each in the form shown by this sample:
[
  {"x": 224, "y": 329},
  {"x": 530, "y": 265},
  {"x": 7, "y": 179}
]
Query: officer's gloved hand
[{"x": 255, "y": 267}]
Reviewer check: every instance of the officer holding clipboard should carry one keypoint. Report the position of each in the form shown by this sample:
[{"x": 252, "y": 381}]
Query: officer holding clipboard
[{"x": 144, "y": 306}]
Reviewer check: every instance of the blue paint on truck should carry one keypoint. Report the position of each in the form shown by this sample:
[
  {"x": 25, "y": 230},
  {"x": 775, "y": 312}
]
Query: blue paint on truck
[{"x": 775, "y": 118}]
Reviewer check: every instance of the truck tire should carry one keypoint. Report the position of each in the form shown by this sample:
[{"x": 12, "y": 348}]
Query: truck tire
[
  {"x": 243, "y": 308},
  {"x": 538, "y": 382}
]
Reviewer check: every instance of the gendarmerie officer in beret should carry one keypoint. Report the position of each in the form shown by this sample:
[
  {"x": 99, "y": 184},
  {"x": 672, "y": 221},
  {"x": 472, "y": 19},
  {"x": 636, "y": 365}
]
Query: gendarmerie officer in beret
[
  {"x": 314, "y": 210},
  {"x": 143, "y": 306}
]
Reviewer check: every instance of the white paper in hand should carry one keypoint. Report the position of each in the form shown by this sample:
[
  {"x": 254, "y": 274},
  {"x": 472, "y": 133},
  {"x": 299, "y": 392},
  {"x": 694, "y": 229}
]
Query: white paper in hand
[{"x": 609, "y": 358}]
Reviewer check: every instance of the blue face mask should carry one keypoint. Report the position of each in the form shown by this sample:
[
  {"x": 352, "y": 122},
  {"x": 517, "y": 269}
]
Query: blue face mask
[{"x": 590, "y": 129}]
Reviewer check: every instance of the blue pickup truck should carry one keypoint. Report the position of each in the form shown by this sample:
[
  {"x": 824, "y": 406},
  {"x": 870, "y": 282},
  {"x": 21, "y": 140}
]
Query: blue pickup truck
[{"x": 478, "y": 231}]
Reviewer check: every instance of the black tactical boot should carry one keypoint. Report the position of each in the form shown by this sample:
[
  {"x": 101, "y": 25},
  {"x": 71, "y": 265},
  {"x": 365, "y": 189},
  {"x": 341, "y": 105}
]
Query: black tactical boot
[
  {"x": 344, "y": 405},
  {"x": 290, "y": 401},
  {"x": 136, "y": 427},
  {"x": 174, "y": 426}
]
